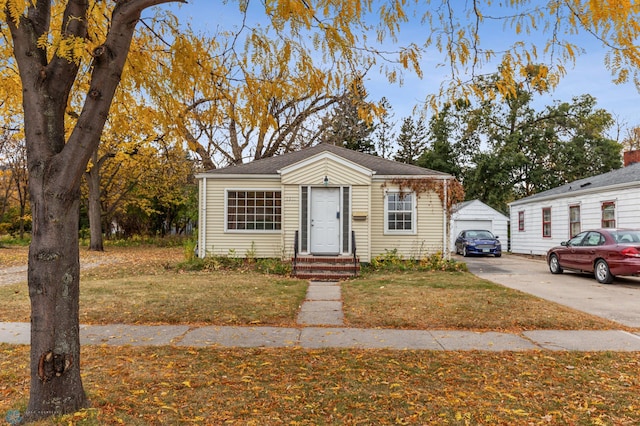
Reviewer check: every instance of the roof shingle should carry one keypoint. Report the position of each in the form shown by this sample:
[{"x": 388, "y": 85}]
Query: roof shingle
[
  {"x": 379, "y": 165},
  {"x": 624, "y": 175}
]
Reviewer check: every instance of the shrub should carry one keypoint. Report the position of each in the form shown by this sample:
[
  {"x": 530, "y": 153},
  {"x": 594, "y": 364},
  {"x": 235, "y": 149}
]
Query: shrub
[
  {"x": 390, "y": 260},
  {"x": 230, "y": 262},
  {"x": 273, "y": 266}
]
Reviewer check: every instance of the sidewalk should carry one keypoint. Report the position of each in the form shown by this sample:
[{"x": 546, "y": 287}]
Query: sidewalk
[{"x": 319, "y": 322}]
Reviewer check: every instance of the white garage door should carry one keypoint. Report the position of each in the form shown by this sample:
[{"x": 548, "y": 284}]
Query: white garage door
[{"x": 461, "y": 225}]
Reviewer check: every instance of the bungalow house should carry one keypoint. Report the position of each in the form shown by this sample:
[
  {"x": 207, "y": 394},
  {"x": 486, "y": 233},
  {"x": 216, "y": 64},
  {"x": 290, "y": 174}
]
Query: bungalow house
[
  {"x": 321, "y": 201},
  {"x": 609, "y": 200},
  {"x": 475, "y": 214}
]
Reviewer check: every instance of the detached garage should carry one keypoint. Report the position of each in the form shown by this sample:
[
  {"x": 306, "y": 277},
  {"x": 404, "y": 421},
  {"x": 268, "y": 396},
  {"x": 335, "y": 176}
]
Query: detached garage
[{"x": 475, "y": 214}]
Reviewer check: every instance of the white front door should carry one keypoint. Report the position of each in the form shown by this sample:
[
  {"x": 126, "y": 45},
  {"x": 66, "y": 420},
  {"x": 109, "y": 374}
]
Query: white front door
[{"x": 325, "y": 220}]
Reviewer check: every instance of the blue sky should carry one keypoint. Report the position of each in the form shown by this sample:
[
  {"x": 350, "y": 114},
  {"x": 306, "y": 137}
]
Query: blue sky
[{"x": 589, "y": 74}]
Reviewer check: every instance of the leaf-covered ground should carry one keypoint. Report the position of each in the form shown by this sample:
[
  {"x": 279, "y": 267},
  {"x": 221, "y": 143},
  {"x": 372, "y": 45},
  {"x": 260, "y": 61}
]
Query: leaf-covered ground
[
  {"x": 213, "y": 386},
  {"x": 153, "y": 386}
]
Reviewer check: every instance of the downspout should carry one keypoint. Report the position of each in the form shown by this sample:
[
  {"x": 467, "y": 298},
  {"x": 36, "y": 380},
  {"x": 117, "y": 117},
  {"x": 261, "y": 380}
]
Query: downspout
[
  {"x": 203, "y": 220},
  {"x": 445, "y": 242}
]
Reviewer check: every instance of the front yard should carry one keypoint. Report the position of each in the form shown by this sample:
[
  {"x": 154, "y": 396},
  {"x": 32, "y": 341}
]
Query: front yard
[
  {"x": 141, "y": 285},
  {"x": 213, "y": 386}
]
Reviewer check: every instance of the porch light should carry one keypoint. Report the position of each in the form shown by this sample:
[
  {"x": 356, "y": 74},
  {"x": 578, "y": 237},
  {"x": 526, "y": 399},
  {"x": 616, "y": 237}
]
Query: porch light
[{"x": 326, "y": 180}]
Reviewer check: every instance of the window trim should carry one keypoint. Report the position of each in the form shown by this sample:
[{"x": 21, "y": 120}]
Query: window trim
[
  {"x": 546, "y": 224},
  {"x": 572, "y": 222},
  {"x": 413, "y": 211},
  {"x": 521, "y": 221},
  {"x": 603, "y": 206},
  {"x": 251, "y": 231}
]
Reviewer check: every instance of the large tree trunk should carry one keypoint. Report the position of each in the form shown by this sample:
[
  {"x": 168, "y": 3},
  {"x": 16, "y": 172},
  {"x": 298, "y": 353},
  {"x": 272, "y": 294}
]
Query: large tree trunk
[
  {"x": 56, "y": 163},
  {"x": 56, "y": 386}
]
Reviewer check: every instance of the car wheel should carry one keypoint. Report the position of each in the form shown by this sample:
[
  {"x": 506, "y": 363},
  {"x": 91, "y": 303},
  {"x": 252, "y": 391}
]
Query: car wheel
[
  {"x": 464, "y": 251},
  {"x": 498, "y": 254},
  {"x": 554, "y": 265},
  {"x": 602, "y": 272}
]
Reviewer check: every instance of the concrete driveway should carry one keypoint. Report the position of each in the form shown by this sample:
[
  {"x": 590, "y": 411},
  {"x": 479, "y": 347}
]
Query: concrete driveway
[{"x": 618, "y": 302}]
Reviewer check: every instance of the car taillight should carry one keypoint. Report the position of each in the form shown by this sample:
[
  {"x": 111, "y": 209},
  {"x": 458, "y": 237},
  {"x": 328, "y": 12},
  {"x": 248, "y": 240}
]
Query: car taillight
[{"x": 630, "y": 252}]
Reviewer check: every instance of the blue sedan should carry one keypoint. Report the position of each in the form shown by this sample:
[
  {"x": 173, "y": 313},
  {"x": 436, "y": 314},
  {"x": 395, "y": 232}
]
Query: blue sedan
[{"x": 478, "y": 241}]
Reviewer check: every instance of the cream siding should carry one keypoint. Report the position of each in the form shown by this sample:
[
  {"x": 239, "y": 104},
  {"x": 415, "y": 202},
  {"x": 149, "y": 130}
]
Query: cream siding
[
  {"x": 337, "y": 173},
  {"x": 291, "y": 211},
  {"x": 360, "y": 205},
  {"x": 366, "y": 211},
  {"x": 428, "y": 237},
  {"x": 217, "y": 241}
]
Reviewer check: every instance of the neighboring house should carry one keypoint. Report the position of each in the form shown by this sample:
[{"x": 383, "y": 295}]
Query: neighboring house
[
  {"x": 609, "y": 200},
  {"x": 327, "y": 197},
  {"x": 475, "y": 214}
]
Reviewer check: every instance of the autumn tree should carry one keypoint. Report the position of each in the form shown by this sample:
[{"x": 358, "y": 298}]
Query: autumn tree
[
  {"x": 234, "y": 102},
  {"x": 528, "y": 151},
  {"x": 15, "y": 161},
  {"x": 162, "y": 201},
  {"x": 49, "y": 41},
  {"x": 631, "y": 141}
]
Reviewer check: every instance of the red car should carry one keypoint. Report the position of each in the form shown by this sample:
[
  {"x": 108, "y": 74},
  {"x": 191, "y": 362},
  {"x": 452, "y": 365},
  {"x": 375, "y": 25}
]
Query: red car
[{"x": 603, "y": 252}]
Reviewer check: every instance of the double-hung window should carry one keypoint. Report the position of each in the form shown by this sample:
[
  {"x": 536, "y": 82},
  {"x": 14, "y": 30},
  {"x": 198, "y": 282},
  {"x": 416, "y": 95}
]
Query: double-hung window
[
  {"x": 253, "y": 210},
  {"x": 574, "y": 221},
  {"x": 400, "y": 212},
  {"x": 521, "y": 221},
  {"x": 546, "y": 222},
  {"x": 609, "y": 214}
]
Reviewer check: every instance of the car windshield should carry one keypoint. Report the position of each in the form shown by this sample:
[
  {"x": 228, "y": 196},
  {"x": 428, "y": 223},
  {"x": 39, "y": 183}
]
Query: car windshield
[
  {"x": 479, "y": 234},
  {"x": 626, "y": 236}
]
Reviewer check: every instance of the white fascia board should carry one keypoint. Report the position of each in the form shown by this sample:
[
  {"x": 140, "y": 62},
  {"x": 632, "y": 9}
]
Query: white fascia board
[
  {"x": 391, "y": 177},
  {"x": 627, "y": 185},
  {"x": 330, "y": 156},
  {"x": 235, "y": 176}
]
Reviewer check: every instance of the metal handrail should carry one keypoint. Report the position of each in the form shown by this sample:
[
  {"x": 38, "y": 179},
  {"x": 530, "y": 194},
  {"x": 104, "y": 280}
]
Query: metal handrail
[
  {"x": 353, "y": 250},
  {"x": 295, "y": 253}
]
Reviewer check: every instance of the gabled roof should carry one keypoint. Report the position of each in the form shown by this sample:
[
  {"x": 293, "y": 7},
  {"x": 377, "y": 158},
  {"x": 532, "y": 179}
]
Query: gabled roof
[
  {"x": 619, "y": 177},
  {"x": 378, "y": 165},
  {"x": 464, "y": 204}
]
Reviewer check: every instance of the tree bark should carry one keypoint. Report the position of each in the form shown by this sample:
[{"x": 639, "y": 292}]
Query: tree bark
[
  {"x": 56, "y": 165},
  {"x": 54, "y": 289}
]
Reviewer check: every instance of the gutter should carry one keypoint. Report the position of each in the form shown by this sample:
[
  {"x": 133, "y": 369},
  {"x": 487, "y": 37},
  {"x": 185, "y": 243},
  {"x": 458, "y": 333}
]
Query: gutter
[{"x": 527, "y": 200}]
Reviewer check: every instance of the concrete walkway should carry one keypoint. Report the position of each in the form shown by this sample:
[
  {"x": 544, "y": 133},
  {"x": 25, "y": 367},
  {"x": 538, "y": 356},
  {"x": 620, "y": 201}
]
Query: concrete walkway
[
  {"x": 322, "y": 305},
  {"x": 319, "y": 320}
]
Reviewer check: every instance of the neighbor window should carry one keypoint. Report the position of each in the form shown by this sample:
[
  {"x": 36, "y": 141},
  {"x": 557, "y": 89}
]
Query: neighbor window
[
  {"x": 520, "y": 221},
  {"x": 609, "y": 214},
  {"x": 546, "y": 222},
  {"x": 574, "y": 221},
  {"x": 254, "y": 210},
  {"x": 399, "y": 212}
]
